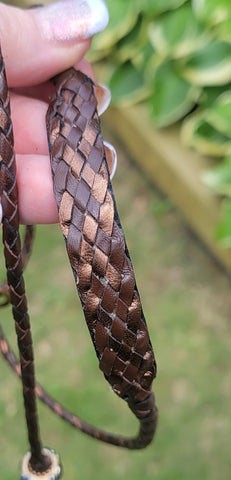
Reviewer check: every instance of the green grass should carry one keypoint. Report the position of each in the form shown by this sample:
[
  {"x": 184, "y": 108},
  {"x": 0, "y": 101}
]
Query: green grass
[{"x": 186, "y": 300}]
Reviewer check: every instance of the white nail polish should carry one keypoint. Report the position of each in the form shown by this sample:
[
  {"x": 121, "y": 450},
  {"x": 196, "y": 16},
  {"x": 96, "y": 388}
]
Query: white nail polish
[
  {"x": 111, "y": 157},
  {"x": 0, "y": 213},
  {"x": 103, "y": 95},
  {"x": 70, "y": 20}
]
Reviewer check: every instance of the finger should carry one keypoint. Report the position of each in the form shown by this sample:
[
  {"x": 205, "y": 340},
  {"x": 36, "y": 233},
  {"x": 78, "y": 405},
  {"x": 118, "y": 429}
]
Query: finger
[
  {"x": 59, "y": 35},
  {"x": 35, "y": 190},
  {"x": 28, "y": 116},
  {"x": 86, "y": 68},
  {"x": 29, "y": 124},
  {"x": 45, "y": 90},
  {"x": 35, "y": 187}
]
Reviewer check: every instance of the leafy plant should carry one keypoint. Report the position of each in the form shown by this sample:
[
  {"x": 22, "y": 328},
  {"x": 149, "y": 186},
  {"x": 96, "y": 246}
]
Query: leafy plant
[{"x": 176, "y": 56}]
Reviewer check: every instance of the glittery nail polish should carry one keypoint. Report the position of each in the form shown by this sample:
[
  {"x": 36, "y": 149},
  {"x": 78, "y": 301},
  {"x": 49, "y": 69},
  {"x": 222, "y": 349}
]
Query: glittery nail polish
[{"x": 70, "y": 20}]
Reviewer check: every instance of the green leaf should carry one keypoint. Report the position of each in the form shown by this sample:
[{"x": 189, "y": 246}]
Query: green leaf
[
  {"x": 223, "y": 230},
  {"x": 219, "y": 178},
  {"x": 212, "y": 11},
  {"x": 144, "y": 57},
  {"x": 219, "y": 115},
  {"x": 210, "y": 65},
  {"x": 133, "y": 43},
  {"x": 155, "y": 7},
  {"x": 178, "y": 33},
  {"x": 198, "y": 133},
  {"x": 123, "y": 17},
  {"x": 127, "y": 85},
  {"x": 223, "y": 30},
  {"x": 172, "y": 96},
  {"x": 210, "y": 95}
]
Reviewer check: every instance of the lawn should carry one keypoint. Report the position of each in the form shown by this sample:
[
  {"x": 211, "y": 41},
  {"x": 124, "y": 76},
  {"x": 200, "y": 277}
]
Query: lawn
[{"x": 186, "y": 299}]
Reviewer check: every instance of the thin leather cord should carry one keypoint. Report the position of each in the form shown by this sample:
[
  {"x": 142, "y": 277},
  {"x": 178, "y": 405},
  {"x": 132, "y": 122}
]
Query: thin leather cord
[
  {"x": 14, "y": 268},
  {"x": 99, "y": 258},
  {"x": 26, "y": 252},
  {"x": 62, "y": 412}
]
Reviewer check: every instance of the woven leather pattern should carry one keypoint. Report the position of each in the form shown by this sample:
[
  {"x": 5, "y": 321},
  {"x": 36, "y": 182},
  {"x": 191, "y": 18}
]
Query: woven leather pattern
[
  {"x": 99, "y": 259},
  {"x": 96, "y": 246},
  {"x": 26, "y": 252},
  {"x": 14, "y": 264}
]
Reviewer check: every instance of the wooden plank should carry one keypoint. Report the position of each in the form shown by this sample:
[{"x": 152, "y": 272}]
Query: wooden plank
[{"x": 175, "y": 169}]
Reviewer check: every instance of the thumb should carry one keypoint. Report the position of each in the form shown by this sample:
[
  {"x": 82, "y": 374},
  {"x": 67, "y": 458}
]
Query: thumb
[{"x": 40, "y": 42}]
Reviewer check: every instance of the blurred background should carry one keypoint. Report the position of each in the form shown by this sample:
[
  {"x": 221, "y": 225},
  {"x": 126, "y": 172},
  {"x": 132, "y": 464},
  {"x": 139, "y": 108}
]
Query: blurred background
[{"x": 168, "y": 64}]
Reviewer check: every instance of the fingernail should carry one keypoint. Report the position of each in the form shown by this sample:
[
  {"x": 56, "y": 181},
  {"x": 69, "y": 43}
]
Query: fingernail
[
  {"x": 70, "y": 20},
  {"x": 111, "y": 157},
  {"x": 103, "y": 96}
]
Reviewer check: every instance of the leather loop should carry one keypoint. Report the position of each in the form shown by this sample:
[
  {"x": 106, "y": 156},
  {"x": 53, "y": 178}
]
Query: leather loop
[
  {"x": 96, "y": 245},
  {"x": 98, "y": 256}
]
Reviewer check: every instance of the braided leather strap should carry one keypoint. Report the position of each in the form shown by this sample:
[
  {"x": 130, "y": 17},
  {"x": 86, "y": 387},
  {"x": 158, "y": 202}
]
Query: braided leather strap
[
  {"x": 99, "y": 259},
  {"x": 14, "y": 267},
  {"x": 26, "y": 252},
  {"x": 97, "y": 250}
]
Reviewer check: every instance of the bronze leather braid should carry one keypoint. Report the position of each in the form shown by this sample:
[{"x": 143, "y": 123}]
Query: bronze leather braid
[
  {"x": 97, "y": 250},
  {"x": 98, "y": 255}
]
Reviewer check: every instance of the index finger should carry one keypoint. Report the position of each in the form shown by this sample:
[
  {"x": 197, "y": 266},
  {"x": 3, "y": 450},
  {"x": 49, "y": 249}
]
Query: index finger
[{"x": 39, "y": 43}]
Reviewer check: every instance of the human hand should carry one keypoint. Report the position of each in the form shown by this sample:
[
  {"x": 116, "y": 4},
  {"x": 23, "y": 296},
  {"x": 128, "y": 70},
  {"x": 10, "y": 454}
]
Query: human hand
[{"x": 36, "y": 45}]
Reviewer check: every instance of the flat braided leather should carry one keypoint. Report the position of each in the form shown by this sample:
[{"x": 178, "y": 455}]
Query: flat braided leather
[
  {"x": 98, "y": 255},
  {"x": 97, "y": 250}
]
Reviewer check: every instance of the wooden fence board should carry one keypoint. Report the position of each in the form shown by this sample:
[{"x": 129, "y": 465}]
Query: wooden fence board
[{"x": 175, "y": 169}]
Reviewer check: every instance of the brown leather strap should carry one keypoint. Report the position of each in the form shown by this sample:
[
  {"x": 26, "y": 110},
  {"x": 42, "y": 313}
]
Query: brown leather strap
[
  {"x": 98, "y": 256},
  {"x": 14, "y": 267},
  {"x": 96, "y": 247},
  {"x": 26, "y": 252}
]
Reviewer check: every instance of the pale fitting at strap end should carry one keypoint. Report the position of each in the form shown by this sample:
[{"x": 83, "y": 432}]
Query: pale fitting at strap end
[{"x": 54, "y": 472}]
